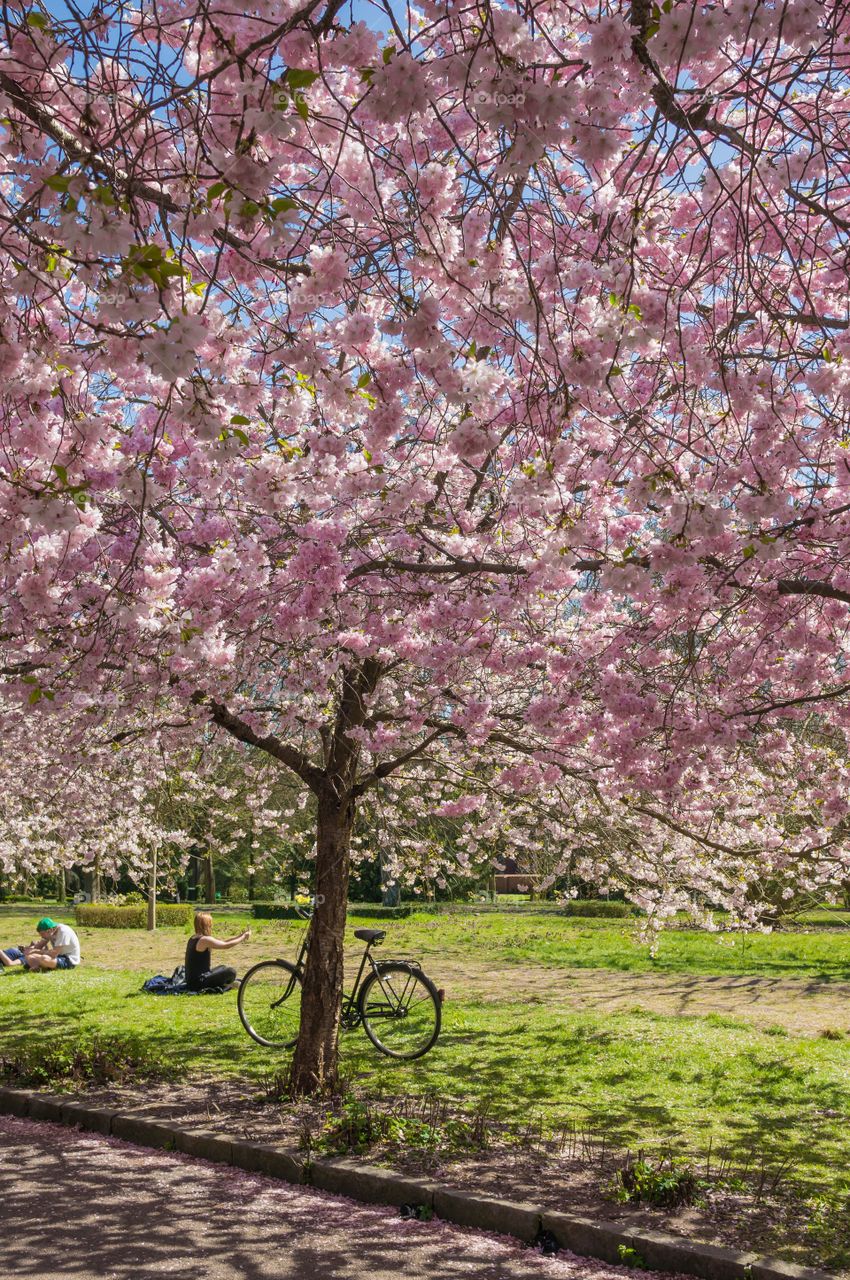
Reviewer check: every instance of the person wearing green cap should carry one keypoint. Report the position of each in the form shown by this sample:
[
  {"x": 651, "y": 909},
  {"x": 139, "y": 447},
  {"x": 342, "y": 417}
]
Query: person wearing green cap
[{"x": 58, "y": 948}]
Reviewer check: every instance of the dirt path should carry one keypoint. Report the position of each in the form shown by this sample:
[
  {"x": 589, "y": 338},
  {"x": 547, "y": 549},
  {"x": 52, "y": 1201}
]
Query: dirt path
[
  {"x": 801, "y": 1006},
  {"x": 78, "y": 1207}
]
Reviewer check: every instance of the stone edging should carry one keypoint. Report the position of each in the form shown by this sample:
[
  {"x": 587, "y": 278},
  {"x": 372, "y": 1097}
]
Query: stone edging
[{"x": 591, "y": 1237}]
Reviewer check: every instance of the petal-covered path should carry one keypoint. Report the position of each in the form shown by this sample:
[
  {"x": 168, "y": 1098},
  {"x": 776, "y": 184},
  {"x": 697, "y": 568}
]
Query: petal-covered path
[{"x": 81, "y": 1207}]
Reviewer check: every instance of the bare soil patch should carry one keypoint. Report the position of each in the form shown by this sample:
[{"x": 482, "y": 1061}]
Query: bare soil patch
[{"x": 802, "y": 1006}]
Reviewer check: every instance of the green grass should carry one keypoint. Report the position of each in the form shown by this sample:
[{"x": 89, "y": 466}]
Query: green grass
[
  {"x": 644, "y": 1079},
  {"x": 640, "y": 1077},
  {"x": 575, "y": 943}
]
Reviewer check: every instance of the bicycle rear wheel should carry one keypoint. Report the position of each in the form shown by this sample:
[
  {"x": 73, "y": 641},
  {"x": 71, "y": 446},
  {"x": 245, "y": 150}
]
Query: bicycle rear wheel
[
  {"x": 400, "y": 1010},
  {"x": 269, "y": 1003}
]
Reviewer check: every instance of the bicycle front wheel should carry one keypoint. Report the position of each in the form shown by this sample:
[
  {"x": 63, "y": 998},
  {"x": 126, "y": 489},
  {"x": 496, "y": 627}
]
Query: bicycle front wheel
[
  {"x": 269, "y": 1003},
  {"x": 400, "y": 1010}
]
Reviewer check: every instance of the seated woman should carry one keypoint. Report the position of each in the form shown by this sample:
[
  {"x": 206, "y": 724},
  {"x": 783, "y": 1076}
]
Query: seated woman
[{"x": 200, "y": 976}]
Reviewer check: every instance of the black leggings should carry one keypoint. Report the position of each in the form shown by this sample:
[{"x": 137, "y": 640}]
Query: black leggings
[{"x": 221, "y": 976}]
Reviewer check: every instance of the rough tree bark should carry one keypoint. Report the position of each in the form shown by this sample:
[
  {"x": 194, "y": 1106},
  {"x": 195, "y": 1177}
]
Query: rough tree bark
[
  {"x": 314, "y": 1064},
  {"x": 315, "y": 1061}
]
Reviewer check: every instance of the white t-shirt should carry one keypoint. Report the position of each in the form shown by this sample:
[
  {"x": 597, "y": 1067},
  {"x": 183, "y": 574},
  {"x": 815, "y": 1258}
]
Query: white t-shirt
[{"x": 66, "y": 943}]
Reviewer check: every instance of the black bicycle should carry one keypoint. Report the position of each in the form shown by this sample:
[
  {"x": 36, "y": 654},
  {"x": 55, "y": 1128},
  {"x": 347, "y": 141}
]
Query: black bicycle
[{"x": 398, "y": 1007}]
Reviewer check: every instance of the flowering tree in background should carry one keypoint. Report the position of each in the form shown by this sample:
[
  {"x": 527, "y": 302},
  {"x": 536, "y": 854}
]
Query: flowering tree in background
[
  {"x": 457, "y": 399},
  {"x": 69, "y": 798}
]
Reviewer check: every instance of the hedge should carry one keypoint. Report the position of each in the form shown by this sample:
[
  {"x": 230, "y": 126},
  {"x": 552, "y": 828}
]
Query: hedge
[
  {"x": 101, "y": 915},
  {"x": 274, "y": 911},
  {"x": 366, "y": 911},
  {"x": 377, "y": 912},
  {"x": 599, "y": 907}
]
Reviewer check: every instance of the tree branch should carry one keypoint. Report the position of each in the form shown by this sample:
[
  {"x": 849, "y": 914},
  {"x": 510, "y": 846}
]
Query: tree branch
[
  {"x": 119, "y": 178},
  {"x": 270, "y": 743},
  {"x": 390, "y": 766},
  {"x": 805, "y": 587}
]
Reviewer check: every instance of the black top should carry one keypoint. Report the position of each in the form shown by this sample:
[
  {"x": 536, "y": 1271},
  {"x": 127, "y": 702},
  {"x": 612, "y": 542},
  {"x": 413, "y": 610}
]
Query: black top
[{"x": 197, "y": 964}]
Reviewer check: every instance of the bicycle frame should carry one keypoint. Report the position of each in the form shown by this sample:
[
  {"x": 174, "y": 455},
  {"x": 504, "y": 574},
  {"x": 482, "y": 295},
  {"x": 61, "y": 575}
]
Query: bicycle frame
[{"x": 350, "y": 1012}]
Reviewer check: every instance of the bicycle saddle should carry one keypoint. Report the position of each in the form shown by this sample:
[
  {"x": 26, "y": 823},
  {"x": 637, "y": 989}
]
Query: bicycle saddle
[{"x": 370, "y": 935}]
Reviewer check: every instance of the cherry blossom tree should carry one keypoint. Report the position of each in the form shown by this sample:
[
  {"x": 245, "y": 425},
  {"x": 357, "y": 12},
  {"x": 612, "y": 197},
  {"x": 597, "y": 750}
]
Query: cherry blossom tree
[{"x": 456, "y": 399}]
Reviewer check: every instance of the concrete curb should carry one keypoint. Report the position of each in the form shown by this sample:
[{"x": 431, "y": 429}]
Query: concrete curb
[{"x": 591, "y": 1237}]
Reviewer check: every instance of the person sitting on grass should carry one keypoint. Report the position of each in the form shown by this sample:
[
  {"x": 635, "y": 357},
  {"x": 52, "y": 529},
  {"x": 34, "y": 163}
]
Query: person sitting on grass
[
  {"x": 200, "y": 976},
  {"x": 58, "y": 948}
]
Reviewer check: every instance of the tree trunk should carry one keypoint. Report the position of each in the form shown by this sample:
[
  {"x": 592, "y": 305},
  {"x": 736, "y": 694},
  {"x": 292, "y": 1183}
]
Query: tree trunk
[
  {"x": 209, "y": 877},
  {"x": 315, "y": 1062},
  {"x": 61, "y": 891},
  {"x": 151, "y": 924}
]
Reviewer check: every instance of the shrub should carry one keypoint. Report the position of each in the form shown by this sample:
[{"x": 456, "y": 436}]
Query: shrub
[
  {"x": 421, "y": 1123},
  {"x": 237, "y": 893},
  {"x": 599, "y": 907},
  {"x": 99, "y": 915},
  {"x": 101, "y": 1060},
  {"x": 665, "y": 1185}
]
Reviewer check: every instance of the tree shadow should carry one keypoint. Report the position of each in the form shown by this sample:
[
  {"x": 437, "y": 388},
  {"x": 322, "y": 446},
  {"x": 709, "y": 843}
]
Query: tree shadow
[{"x": 74, "y": 1207}]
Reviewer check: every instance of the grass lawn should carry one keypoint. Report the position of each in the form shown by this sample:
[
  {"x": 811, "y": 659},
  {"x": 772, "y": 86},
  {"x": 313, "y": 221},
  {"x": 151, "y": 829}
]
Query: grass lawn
[{"x": 643, "y": 1077}]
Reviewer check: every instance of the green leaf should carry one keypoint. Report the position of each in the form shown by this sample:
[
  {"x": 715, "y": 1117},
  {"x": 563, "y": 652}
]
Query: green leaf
[
  {"x": 749, "y": 551},
  {"x": 388, "y": 54},
  {"x": 366, "y": 73},
  {"x": 364, "y": 380},
  {"x": 241, "y": 435},
  {"x": 241, "y": 420},
  {"x": 216, "y": 190},
  {"x": 34, "y": 697},
  {"x": 62, "y": 473},
  {"x": 57, "y": 182},
  {"x": 299, "y": 78},
  {"x": 38, "y": 20},
  {"x": 302, "y": 108},
  {"x": 283, "y": 204},
  {"x": 613, "y": 299}
]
